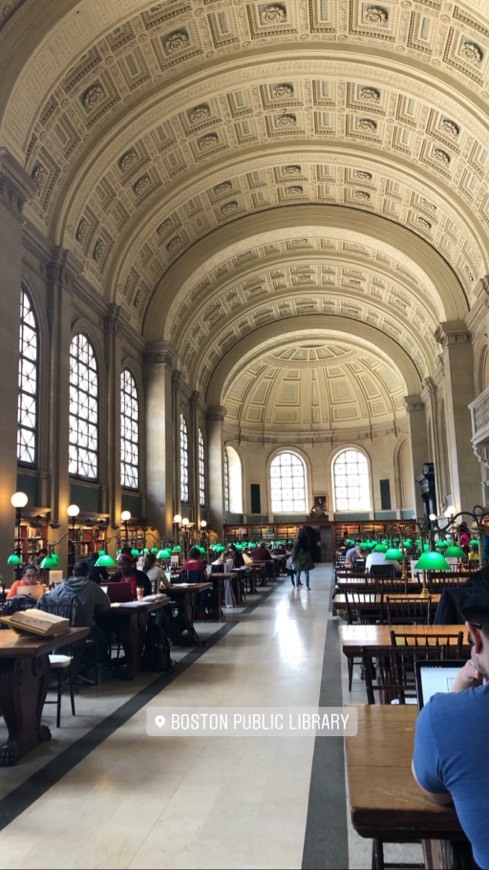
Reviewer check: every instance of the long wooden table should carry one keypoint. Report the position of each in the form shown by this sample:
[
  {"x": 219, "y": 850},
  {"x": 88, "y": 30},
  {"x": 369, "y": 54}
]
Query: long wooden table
[
  {"x": 373, "y": 602},
  {"x": 131, "y": 619},
  {"x": 184, "y": 595},
  {"x": 354, "y": 637},
  {"x": 385, "y": 801},
  {"x": 24, "y": 681}
]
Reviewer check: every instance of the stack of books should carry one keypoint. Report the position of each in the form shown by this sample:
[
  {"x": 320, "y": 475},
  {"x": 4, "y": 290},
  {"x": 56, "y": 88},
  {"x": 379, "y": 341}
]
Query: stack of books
[{"x": 38, "y": 622}]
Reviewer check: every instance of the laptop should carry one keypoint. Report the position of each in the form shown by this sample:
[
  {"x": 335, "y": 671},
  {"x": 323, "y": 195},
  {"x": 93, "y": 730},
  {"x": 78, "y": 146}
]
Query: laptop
[
  {"x": 433, "y": 676},
  {"x": 119, "y": 592}
]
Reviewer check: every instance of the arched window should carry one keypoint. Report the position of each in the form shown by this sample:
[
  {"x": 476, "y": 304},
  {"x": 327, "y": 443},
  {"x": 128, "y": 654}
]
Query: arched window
[
  {"x": 351, "y": 481},
  {"x": 288, "y": 483},
  {"x": 28, "y": 383},
  {"x": 226, "y": 481},
  {"x": 129, "y": 431},
  {"x": 83, "y": 416},
  {"x": 183, "y": 459},
  {"x": 233, "y": 481},
  {"x": 201, "y": 469}
]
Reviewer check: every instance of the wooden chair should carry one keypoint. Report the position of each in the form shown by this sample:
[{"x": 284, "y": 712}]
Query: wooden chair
[
  {"x": 388, "y": 586},
  {"x": 406, "y": 648},
  {"x": 357, "y": 610},
  {"x": 381, "y": 571},
  {"x": 62, "y": 664},
  {"x": 408, "y": 610},
  {"x": 439, "y": 580}
]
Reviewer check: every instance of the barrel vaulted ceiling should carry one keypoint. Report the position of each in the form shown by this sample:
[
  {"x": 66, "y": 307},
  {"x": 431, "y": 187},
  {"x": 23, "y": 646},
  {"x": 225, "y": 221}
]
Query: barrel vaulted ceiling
[{"x": 292, "y": 195}]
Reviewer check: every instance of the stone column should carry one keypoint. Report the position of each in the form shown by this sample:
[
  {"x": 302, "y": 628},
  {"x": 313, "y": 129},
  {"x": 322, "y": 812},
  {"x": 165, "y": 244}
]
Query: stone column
[
  {"x": 458, "y": 367},
  {"x": 160, "y": 465},
  {"x": 16, "y": 188},
  {"x": 62, "y": 273},
  {"x": 193, "y": 457},
  {"x": 110, "y": 418},
  {"x": 215, "y": 421},
  {"x": 175, "y": 416},
  {"x": 415, "y": 408}
]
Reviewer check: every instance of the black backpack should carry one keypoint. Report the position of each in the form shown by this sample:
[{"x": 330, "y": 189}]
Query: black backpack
[{"x": 156, "y": 652}]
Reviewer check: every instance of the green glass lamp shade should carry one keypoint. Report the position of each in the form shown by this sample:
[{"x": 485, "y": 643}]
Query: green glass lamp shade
[
  {"x": 394, "y": 554},
  {"x": 13, "y": 559},
  {"x": 474, "y": 542},
  {"x": 145, "y": 551},
  {"x": 201, "y": 549},
  {"x": 432, "y": 561},
  {"x": 154, "y": 549},
  {"x": 441, "y": 545},
  {"x": 177, "y": 549},
  {"x": 134, "y": 551},
  {"x": 240, "y": 546},
  {"x": 219, "y": 548},
  {"x": 407, "y": 542},
  {"x": 454, "y": 552},
  {"x": 50, "y": 562},
  {"x": 380, "y": 548},
  {"x": 104, "y": 561},
  {"x": 164, "y": 553}
]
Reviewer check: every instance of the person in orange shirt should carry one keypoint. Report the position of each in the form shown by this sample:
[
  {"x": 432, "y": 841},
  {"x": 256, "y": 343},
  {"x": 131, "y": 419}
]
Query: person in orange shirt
[{"x": 29, "y": 577}]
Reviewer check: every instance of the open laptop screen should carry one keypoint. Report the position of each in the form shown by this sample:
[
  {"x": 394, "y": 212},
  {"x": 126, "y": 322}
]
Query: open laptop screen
[{"x": 435, "y": 676}]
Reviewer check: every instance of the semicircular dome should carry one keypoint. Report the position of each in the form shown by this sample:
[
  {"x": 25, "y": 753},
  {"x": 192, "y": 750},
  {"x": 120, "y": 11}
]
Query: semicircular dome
[{"x": 317, "y": 387}]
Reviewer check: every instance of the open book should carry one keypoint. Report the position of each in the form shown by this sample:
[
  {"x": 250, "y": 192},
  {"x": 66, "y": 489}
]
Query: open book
[{"x": 33, "y": 621}]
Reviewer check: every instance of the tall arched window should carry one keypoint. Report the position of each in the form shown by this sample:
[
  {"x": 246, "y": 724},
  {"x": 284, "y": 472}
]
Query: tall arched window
[
  {"x": 83, "y": 416},
  {"x": 233, "y": 481},
  {"x": 288, "y": 483},
  {"x": 28, "y": 383},
  {"x": 351, "y": 481},
  {"x": 183, "y": 459},
  {"x": 201, "y": 469},
  {"x": 226, "y": 481},
  {"x": 129, "y": 431}
]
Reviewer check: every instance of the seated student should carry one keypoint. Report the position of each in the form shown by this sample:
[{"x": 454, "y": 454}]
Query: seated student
[
  {"x": 130, "y": 574},
  {"x": 157, "y": 576},
  {"x": 450, "y": 759},
  {"x": 29, "y": 577},
  {"x": 92, "y": 603},
  {"x": 196, "y": 565},
  {"x": 261, "y": 553},
  {"x": 354, "y": 554},
  {"x": 379, "y": 559}
]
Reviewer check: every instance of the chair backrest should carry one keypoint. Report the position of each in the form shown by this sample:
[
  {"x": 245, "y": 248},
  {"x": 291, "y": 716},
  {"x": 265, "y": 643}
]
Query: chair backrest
[
  {"x": 408, "y": 610},
  {"x": 69, "y": 607},
  {"x": 386, "y": 585},
  {"x": 362, "y": 608},
  {"x": 407, "y": 648},
  {"x": 380, "y": 571},
  {"x": 380, "y": 677}
]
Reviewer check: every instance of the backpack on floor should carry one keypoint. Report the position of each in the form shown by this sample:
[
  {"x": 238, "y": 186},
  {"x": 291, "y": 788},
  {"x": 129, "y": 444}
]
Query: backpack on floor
[{"x": 156, "y": 652}]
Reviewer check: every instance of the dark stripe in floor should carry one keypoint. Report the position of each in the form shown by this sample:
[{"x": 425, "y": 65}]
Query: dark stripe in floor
[
  {"x": 326, "y": 838},
  {"x": 22, "y": 797}
]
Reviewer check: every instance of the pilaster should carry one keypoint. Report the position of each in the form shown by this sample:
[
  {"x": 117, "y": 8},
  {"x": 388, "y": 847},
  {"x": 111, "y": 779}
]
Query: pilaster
[
  {"x": 215, "y": 426},
  {"x": 160, "y": 466},
  {"x": 418, "y": 433}
]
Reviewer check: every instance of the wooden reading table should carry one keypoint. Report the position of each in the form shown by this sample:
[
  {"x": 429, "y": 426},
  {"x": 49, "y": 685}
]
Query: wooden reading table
[
  {"x": 24, "y": 681},
  {"x": 130, "y": 619},
  {"x": 385, "y": 801},
  {"x": 371, "y": 601}
]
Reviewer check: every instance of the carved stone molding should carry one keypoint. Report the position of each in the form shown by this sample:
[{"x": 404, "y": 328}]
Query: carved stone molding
[
  {"x": 216, "y": 414},
  {"x": 16, "y": 186},
  {"x": 161, "y": 353},
  {"x": 413, "y": 403},
  {"x": 64, "y": 269},
  {"x": 453, "y": 332}
]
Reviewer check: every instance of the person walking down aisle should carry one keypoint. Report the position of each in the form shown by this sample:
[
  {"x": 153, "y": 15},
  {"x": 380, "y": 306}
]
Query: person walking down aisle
[{"x": 302, "y": 558}]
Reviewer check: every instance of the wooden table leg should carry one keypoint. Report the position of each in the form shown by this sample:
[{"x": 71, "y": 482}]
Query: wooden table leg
[
  {"x": 133, "y": 630},
  {"x": 23, "y": 689}
]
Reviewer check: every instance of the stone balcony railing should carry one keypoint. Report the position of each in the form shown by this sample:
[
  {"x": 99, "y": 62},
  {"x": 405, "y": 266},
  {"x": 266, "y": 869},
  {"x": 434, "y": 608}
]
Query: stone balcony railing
[{"x": 479, "y": 412}]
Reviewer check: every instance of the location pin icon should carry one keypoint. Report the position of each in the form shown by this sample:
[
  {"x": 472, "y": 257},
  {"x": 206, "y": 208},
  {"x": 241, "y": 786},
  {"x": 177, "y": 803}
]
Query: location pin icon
[{"x": 160, "y": 721}]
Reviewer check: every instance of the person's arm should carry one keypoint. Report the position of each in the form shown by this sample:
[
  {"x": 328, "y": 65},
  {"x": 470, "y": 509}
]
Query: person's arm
[
  {"x": 13, "y": 590},
  {"x": 424, "y": 763}
]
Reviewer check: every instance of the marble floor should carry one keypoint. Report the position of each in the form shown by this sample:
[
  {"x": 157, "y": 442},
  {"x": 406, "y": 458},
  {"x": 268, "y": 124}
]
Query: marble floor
[{"x": 104, "y": 794}]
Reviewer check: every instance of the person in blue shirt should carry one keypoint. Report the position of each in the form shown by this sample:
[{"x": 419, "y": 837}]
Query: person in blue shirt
[{"x": 450, "y": 758}]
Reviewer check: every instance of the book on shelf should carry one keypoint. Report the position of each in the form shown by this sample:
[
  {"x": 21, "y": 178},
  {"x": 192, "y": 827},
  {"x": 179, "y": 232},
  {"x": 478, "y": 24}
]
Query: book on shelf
[{"x": 33, "y": 621}]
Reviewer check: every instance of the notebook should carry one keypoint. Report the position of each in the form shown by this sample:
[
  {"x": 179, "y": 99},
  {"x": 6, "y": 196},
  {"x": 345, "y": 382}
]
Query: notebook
[
  {"x": 435, "y": 676},
  {"x": 118, "y": 592}
]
